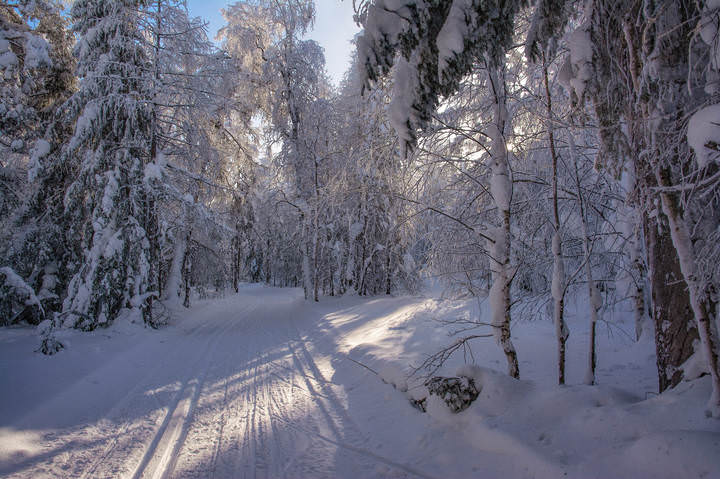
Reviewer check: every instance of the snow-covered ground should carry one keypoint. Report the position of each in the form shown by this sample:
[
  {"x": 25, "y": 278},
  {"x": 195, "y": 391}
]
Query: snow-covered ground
[{"x": 264, "y": 384}]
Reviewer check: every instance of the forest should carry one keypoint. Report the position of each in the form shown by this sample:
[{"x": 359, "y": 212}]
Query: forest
[{"x": 539, "y": 156}]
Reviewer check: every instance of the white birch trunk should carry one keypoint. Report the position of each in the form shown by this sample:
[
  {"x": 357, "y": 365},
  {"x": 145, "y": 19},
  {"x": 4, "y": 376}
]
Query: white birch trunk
[
  {"x": 306, "y": 273},
  {"x": 595, "y": 305},
  {"x": 680, "y": 235},
  {"x": 558, "y": 278},
  {"x": 174, "y": 281},
  {"x": 501, "y": 190},
  {"x": 594, "y": 298},
  {"x": 558, "y": 294}
]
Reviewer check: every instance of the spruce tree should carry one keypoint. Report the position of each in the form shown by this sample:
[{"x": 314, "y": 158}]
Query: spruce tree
[{"x": 109, "y": 207}]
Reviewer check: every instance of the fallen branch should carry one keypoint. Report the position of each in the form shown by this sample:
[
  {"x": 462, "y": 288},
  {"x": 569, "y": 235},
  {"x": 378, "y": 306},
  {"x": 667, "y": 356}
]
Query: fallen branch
[{"x": 361, "y": 364}]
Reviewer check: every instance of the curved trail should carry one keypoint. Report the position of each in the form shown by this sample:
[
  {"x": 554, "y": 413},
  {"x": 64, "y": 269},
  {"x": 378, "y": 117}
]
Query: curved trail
[{"x": 239, "y": 389}]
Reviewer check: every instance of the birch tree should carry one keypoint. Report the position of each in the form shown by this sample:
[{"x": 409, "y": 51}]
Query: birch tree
[{"x": 439, "y": 43}]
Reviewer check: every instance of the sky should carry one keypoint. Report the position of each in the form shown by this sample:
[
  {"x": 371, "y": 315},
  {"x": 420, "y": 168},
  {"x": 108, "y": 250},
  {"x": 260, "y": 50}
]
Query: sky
[{"x": 334, "y": 29}]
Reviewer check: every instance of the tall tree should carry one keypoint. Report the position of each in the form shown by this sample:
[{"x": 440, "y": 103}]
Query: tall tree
[
  {"x": 36, "y": 77},
  {"x": 109, "y": 206},
  {"x": 439, "y": 43},
  {"x": 642, "y": 66}
]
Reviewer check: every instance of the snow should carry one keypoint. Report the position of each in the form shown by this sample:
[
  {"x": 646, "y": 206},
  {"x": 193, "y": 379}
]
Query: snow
[
  {"x": 40, "y": 150},
  {"x": 408, "y": 263},
  {"x": 7, "y": 58},
  {"x": 596, "y": 300},
  {"x": 355, "y": 230},
  {"x": 708, "y": 26},
  {"x": 113, "y": 244},
  {"x": 451, "y": 38},
  {"x": 704, "y": 129},
  {"x": 154, "y": 169},
  {"x": 36, "y": 51},
  {"x": 110, "y": 192},
  {"x": 400, "y": 110},
  {"x": 19, "y": 286},
  {"x": 174, "y": 280},
  {"x": 49, "y": 282},
  {"x": 84, "y": 124},
  {"x": 264, "y": 384},
  {"x": 580, "y": 45}
]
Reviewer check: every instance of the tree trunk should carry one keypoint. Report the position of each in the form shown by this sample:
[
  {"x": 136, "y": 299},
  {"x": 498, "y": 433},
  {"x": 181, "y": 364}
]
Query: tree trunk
[
  {"x": 670, "y": 309},
  {"x": 176, "y": 269},
  {"x": 639, "y": 292},
  {"x": 499, "y": 247},
  {"x": 306, "y": 274},
  {"x": 236, "y": 260},
  {"x": 558, "y": 279},
  {"x": 595, "y": 305},
  {"x": 699, "y": 303},
  {"x": 316, "y": 259},
  {"x": 594, "y": 298},
  {"x": 388, "y": 273},
  {"x": 187, "y": 269}
]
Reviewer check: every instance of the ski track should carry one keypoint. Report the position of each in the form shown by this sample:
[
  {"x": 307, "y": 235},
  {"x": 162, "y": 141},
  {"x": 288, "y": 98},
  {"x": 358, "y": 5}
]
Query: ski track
[{"x": 239, "y": 394}]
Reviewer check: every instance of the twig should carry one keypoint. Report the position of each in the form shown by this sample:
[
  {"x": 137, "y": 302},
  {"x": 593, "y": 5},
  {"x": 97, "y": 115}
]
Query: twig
[{"x": 361, "y": 364}]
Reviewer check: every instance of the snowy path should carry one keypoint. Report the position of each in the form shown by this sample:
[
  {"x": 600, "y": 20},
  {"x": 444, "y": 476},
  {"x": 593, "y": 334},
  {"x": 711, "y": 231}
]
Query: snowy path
[
  {"x": 260, "y": 385},
  {"x": 238, "y": 392}
]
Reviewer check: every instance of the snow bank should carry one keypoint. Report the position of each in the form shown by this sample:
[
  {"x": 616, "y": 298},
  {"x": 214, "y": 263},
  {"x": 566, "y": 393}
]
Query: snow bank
[
  {"x": 498, "y": 391},
  {"x": 528, "y": 428}
]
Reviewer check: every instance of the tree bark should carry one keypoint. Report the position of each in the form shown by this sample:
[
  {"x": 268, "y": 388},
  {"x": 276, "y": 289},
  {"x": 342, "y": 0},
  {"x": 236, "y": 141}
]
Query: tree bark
[
  {"x": 670, "y": 309},
  {"x": 558, "y": 279},
  {"x": 501, "y": 190},
  {"x": 187, "y": 269},
  {"x": 699, "y": 301}
]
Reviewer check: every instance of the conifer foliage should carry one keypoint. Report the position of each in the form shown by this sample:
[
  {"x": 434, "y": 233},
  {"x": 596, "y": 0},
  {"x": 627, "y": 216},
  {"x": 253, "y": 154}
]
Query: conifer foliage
[{"x": 109, "y": 207}]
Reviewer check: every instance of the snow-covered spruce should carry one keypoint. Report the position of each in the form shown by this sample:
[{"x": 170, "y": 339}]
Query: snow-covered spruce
[{"x": 109, "y": 205}]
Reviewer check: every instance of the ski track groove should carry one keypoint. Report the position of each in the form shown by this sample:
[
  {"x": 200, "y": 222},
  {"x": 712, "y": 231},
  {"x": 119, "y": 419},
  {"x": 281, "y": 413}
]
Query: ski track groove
[
  {"x": 172, "y": 427},
  {"x": 223, "y": 417},
  {"x": 220, "y": 431},
  {"x": 335, "y": 410},
  {"x": 121, "y": 404},
  {"x": 264, "y": 408}
]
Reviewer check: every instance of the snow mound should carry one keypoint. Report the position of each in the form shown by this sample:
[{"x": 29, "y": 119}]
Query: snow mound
[
  {"x": 662, "y": 455},
  {"x": 498, "y": 391}
]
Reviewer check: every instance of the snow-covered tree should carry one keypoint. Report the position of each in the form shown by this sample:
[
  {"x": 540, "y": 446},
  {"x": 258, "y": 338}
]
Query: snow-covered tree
[
  {"x": 110, "y": 206},
  {"x": 645, "y": 72},
  {"x": 434, "y": 45},
  {"x": 36, "y": 78},
  {"x": 35, "y": 65}
]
